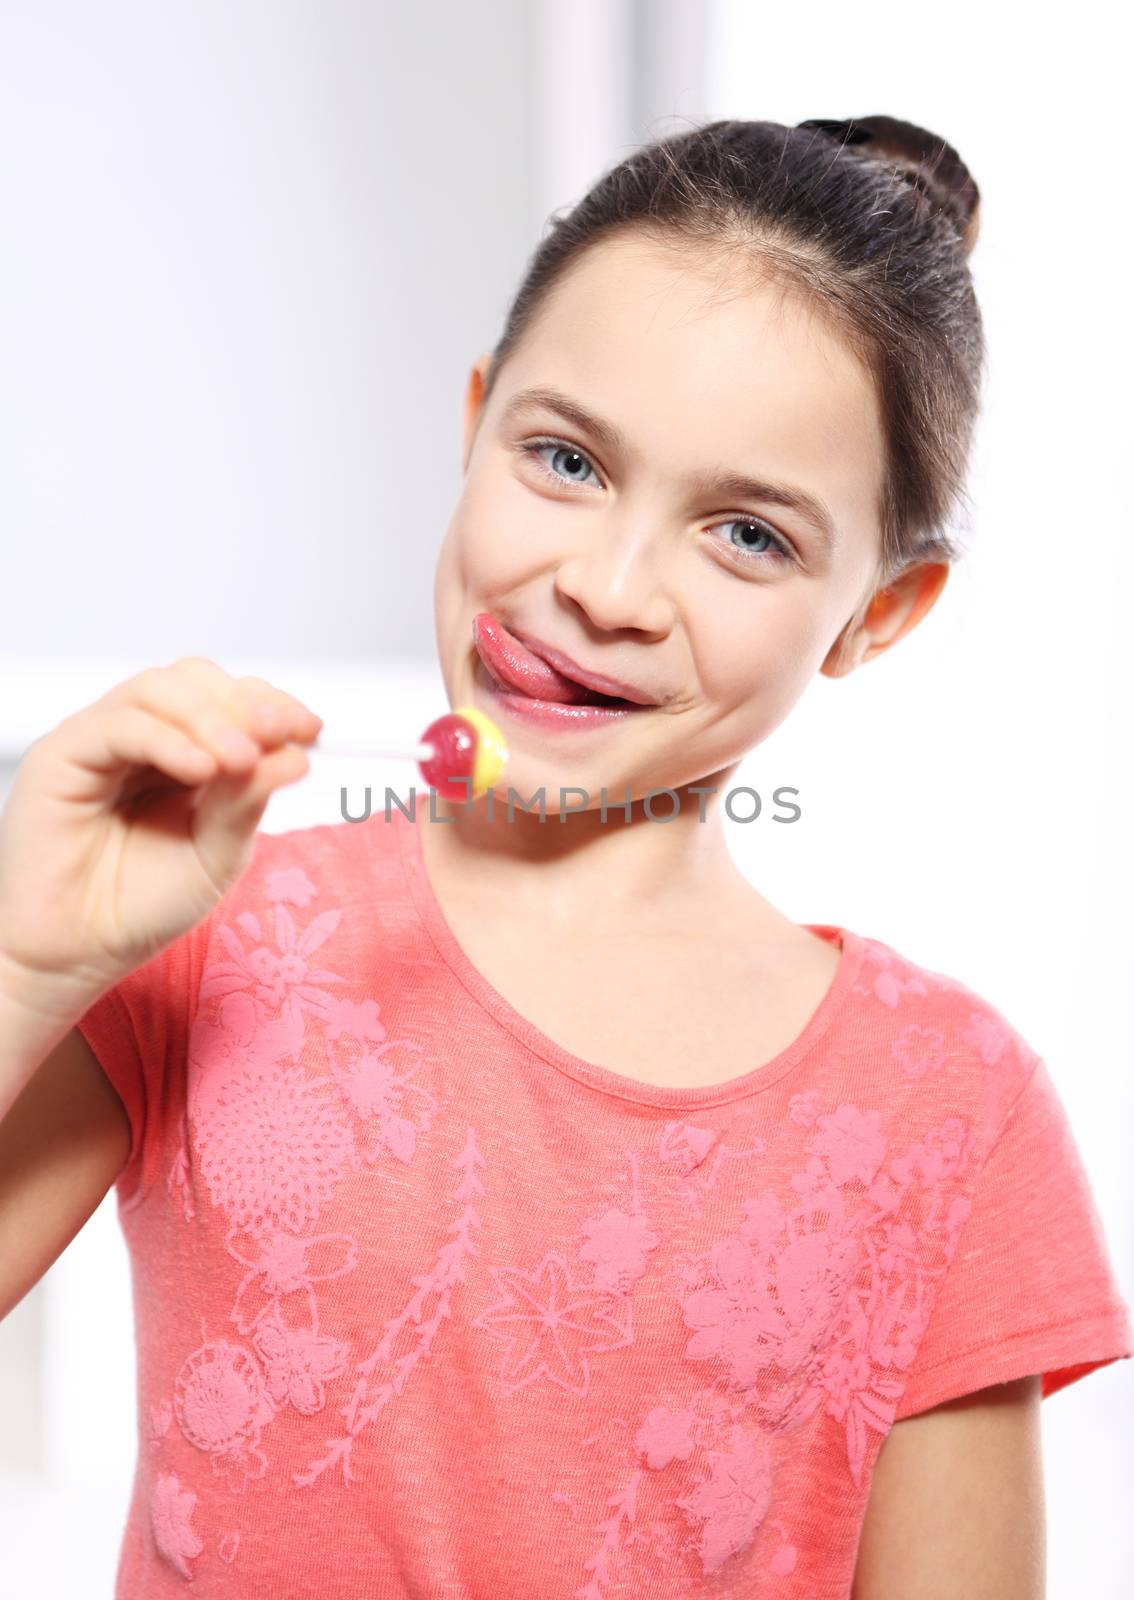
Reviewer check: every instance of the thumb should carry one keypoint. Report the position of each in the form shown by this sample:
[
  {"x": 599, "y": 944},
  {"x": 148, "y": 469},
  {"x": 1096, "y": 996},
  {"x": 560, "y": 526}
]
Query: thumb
[{"x": 229, "y": 809}]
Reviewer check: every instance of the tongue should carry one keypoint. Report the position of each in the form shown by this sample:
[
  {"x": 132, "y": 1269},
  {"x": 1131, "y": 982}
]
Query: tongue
[{"x": 514, "y": 664}]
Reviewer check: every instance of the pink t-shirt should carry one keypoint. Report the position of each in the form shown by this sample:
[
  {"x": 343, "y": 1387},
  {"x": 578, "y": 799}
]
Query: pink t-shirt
[{"x": 428, "y": 1306}]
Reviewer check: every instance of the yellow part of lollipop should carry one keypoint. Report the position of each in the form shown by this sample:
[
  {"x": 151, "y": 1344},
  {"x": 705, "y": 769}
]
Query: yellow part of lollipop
[{"x": 491, "y": 750}]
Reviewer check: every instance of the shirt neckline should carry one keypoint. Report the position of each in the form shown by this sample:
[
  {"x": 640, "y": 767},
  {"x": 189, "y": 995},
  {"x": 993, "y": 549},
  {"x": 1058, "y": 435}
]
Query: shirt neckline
[{"x": 604, "y": 1079}]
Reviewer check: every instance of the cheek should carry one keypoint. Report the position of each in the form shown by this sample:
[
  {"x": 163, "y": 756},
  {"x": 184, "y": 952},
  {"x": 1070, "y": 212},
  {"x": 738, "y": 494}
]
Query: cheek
[
  {"x": 491, "y": 554},
  {"x": 459, "y": 568},
  {"x": 755, "y": 646},
  {"x": 445, "y": 576},
  {"x": 483, "y": 559},
  {"x": 506, "y": 535}
]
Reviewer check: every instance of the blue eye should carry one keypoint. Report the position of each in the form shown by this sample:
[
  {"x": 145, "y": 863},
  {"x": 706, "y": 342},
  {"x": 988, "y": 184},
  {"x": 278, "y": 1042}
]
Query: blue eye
[
  {"x": 757, "y": 530},
  {"x": 773, "y": 547},
  {"x": 534, "y": 446}
]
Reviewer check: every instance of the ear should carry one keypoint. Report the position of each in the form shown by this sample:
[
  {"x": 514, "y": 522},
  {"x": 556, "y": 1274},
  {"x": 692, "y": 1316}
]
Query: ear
[
  {"x": 891, "y": 613},
  {"x": 474, "y": 399}
]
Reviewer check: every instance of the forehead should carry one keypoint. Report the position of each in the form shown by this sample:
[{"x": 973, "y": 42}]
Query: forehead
[{"x": 704, "y": 367}]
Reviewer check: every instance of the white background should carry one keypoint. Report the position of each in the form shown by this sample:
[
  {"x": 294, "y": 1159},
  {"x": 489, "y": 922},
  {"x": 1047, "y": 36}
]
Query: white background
[{"x": 250, "y": 253}]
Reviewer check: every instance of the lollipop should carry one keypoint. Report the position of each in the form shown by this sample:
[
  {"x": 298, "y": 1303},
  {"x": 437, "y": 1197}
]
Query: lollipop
[
  {"x": 460, "y": 754},
  {"x": 466, "y": 747}
]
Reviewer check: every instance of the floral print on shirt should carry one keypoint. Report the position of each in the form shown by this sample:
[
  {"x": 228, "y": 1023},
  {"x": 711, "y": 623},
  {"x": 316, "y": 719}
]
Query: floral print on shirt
[{"x": 815, "y": 1230}]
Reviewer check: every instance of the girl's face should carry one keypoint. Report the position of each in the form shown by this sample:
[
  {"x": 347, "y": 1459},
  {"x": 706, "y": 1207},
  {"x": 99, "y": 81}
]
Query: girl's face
[{"x": 620, "y": 542}]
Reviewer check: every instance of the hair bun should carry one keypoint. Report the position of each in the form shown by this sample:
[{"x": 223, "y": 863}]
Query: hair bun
[{"x": 922, "y": 158}]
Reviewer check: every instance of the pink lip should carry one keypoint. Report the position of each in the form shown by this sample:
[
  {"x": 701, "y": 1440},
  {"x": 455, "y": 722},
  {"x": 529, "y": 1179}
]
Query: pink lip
[
  {"x": 548, "y": 714},
  {"x": 520, "y": 661}
]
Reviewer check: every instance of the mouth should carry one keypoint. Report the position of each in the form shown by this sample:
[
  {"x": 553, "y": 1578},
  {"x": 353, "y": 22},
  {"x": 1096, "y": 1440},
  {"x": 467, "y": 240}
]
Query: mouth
[
  {"x": 522, "y": 666},
  {"x": 550, "y": 716}
]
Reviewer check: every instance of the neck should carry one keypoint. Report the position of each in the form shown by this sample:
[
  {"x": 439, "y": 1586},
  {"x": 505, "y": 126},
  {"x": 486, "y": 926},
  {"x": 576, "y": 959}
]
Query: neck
[{"x": 577, "y": 867}]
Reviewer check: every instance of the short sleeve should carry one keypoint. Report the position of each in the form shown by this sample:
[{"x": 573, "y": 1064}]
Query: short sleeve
[
  {"x": 139, "y": 1032},
  {"x": 1031, "y": 1288}
]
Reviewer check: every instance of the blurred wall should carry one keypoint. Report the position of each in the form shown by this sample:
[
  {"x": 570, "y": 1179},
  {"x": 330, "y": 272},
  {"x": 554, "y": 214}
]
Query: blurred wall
[{"x": 251, "y": 251}]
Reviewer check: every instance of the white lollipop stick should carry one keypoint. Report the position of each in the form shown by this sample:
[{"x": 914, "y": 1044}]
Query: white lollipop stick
[{"x": 422, "y": 751}]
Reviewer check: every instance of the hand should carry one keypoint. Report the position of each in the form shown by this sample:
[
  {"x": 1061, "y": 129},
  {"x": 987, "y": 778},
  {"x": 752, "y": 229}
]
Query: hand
[{"x": 128, "y": 821}]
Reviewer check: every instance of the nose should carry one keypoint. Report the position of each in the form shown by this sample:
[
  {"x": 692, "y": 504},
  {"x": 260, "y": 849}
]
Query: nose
[{"x": 616, "y": 579}]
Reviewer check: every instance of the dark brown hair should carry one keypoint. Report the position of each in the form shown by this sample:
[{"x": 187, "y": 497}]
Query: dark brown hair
[{"x": 871, "y": 220}]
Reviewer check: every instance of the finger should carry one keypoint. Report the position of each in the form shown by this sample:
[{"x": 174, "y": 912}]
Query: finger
[
  {"x": 198, "y": 711},
  {"x": 230, "y": 808},
  {"x": 298, "y": 718},
  {"x": 270, "y": 710},
  {"x": 127, "y": 735}
]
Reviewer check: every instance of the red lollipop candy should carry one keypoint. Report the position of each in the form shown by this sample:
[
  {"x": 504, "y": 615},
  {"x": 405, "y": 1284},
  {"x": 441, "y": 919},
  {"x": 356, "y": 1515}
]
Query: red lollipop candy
[
  {"x": 468, "y": 754},
  {"x": 460, "y": 754}
]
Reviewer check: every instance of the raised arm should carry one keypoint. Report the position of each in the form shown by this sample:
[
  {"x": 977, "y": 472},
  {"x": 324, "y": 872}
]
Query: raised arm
[{"x": 123, "y": 827}]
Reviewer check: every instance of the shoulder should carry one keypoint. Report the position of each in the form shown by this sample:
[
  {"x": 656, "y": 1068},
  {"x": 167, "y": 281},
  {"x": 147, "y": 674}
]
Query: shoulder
[
  {"x": 295, "y": 913},
  {"x": 300, "y": 873},
  {"x": 325, "y": 840},
  {"x": 941, "y": 1035},
  {"x": 325, "y": 854}
]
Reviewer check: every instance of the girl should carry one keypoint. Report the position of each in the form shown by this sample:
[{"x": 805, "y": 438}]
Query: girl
[{"x": 525, "y": 1204}]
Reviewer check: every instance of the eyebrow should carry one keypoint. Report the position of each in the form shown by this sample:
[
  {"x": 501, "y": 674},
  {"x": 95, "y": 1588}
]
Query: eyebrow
[{"x": 730, "y": 484}]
